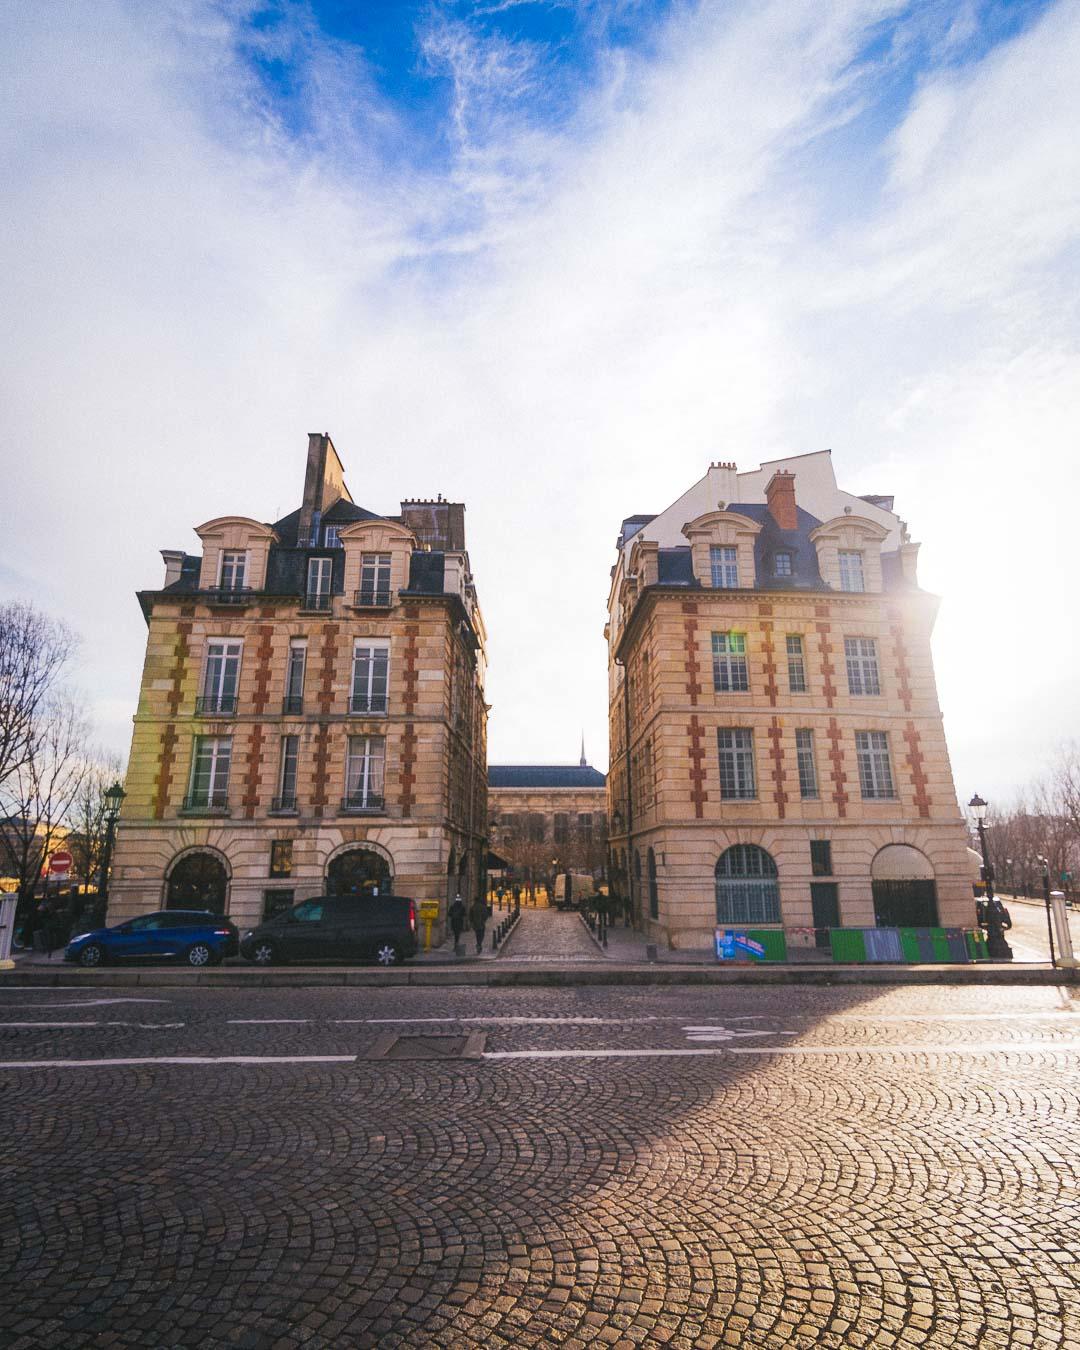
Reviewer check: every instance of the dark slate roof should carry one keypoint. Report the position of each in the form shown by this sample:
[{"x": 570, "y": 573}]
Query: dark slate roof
[
  {"x": 342, "y": 512},
  {"x": 188, "y": 580},
  {"x": 544, "y": 776},
  {"x": 427, "y": 572},
  {"x": 773, "y": 540},
  {"x": 675, "y": 567},
  {"x": 631, "y": 525}
]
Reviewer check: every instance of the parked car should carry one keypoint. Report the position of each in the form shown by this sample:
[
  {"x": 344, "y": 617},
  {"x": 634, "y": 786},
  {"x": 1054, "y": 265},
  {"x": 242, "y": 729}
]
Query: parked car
[
  {"x": 192, "y": 935},
  {"x": 372, "y": 928}
]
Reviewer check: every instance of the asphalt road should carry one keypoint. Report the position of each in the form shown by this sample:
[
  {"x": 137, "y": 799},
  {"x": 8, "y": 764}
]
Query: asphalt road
[
  {"x": 1028, "y": 936},
  {"x": 696, "y": 1167}
]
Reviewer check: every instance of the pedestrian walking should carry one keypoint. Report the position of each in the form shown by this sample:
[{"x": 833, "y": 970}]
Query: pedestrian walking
[
  {"x": 456, "y": 915},
  {"x": 478, "y": 917}
]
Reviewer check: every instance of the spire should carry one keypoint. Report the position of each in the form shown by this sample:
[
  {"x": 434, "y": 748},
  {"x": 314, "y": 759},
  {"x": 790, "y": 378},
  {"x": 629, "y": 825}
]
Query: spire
[{"x": 583, "y": 762}]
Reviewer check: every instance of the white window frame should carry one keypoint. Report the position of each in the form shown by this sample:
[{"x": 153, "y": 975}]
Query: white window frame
[
  {"x": 787, "y": 557},
  {"x": 861, "y": 660},
  {"x": 724, "y": 566},
  {"x": 807, "y": 765},
  {"x": 290, "y": 758},
  {"x": 330, "y": 537},
  {"x": 224, "y": 656},
  {"x": 852, "y": 570},
  {"x": 796, "y": 663},
  {"x": 232, "y": 573},
  {"x": 366, "y": 698},
  {"x": 375, "y": 578},
  {"x": 875, "y": 766},
  {"x": 731, "y": 673},
  {"x": 297, "y": 661},
  {"x": 213, "y": 753},
  {"x": 738, "y": 777},
  {"x": 365, "y": 766},
  {"x": 321, "y": 570}
]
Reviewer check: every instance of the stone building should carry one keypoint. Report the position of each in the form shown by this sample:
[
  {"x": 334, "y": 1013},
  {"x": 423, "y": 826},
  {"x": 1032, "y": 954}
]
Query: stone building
[
  {"x": 312, "y": 715},
  {"x": 540, "y": 814},
  {"x": 778, "y": 755}
]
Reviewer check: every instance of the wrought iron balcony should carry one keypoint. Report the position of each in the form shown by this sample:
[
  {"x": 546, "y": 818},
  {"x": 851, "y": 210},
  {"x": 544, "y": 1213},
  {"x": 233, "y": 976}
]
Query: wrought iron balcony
[
  {"x": 230, "y": 595},
  {"x": 215, "y": 705},
  {"x": 292, "y": 703},
  {"x": 372, "y": 598},
  {"x": 206, "y": 804},
  {"x": 284, "y": 805},
  {"x": 317, "y": 600},
  {"x": 367, "y": 707},
  {"x": 362, "y": 805}
]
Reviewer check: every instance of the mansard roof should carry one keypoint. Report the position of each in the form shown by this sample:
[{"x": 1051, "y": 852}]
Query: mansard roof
[{"x": 544, "y": 776}]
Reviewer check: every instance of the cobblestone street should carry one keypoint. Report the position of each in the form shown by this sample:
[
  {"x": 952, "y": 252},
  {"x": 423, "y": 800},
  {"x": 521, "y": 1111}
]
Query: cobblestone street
[
  {"x": 695, "y": 1167},
  {"x": 548, "y": 935}
]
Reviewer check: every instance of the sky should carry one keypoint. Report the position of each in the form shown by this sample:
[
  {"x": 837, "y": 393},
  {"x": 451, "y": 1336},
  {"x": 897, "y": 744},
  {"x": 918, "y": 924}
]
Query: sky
[{"x": 549, "y": 259}]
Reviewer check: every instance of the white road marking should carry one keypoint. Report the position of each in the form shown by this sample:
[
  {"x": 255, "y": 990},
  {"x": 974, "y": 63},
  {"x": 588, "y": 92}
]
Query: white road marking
[
  {"x": 49, "y": 1024},
  {"x": 85, "y": 1003},
  {"x": 596, "y": 1054},
  {"x": 984, "y": 1048},
  {"x": 175, "y": 1059},
  {"x": 500, "y": 1021},
  {"x": 951, "y": 1017},
  {"x": 266, "y": 1021}
]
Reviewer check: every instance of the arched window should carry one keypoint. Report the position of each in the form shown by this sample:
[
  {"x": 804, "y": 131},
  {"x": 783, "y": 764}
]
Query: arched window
[
  {"x": 198, "y": 881},
  {"x": 654, "y": 895},
  {"x": 746, "y": 888},
  {"x": 637, "y": 867},
  {"x": 359, "y": 871}
]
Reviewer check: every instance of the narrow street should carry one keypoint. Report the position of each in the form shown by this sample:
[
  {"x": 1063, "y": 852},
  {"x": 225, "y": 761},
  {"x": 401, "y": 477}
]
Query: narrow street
[
  {"x": 551, "y": 935},
  {"x": 746, "y": 1166}
]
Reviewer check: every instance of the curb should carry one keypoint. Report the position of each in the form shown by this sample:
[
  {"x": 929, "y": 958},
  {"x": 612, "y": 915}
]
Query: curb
[{"x": 492, "y": 974}]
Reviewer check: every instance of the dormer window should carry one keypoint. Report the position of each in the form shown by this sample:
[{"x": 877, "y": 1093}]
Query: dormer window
[
  {"x": 724, "y": 562},
  {"x": 851, "y": 570},
  {"x": 330, "y": 537},
  {"x": 781, "y": 564},
  {"x": 233, "y": 570}
]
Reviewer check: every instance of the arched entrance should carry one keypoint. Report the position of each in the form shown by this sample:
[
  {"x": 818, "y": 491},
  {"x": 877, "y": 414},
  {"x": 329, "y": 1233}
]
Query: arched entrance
[
  {"x": 905, "y": 895},
  {"x": 358, "y": 871},
  {"x": 198, "y": 881},
  {"x": 747, "y": 890}
]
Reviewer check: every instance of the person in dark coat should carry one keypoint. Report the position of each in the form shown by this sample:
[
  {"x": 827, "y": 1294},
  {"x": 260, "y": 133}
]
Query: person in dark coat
[
  {"x": 456, "y": 915},
  {"x": 478, "y": 917}
]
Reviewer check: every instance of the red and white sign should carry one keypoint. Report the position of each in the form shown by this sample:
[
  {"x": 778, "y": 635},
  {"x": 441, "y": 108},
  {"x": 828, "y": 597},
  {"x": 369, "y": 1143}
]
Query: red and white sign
[{"x": 60, "y": 863}]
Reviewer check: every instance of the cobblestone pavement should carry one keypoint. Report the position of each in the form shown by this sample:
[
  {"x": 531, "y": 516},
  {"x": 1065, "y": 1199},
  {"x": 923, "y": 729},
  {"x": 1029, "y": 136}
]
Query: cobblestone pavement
[
  {"x": 550, "y": 935},
  {"x": 640, "y": 1166}
]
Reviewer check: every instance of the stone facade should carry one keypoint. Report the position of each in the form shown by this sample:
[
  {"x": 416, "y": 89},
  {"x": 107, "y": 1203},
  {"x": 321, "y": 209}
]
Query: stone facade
[
  {"x": 744, "y": 634},
  {"x": 313, "y": 691},
  {"x": 542, "y": 813}
]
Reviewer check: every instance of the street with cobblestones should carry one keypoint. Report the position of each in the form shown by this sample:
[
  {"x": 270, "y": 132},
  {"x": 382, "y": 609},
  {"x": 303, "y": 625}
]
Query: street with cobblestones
[{"x": 758, "y": 1166}]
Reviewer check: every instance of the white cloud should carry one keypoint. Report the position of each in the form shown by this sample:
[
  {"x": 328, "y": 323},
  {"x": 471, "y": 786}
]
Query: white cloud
[{"x": 562, "y": 328}]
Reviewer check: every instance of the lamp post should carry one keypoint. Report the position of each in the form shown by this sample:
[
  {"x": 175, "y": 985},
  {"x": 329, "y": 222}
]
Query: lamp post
[
  {"x": 996, "y": 946},
  {"x": 114, "y": 799}
]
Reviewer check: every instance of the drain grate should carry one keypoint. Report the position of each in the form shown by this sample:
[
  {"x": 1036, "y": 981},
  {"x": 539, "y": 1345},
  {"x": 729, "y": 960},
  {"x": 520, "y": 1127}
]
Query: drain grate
[{"x": 428, "y": 1046}]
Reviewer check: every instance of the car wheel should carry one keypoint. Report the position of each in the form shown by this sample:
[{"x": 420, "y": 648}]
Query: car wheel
[
  {"x": 92, "y": 955},
  {"x": 199, "y": 954},
  {"x": 387, "y": 954},
  {"x": 263, "y": 953}
]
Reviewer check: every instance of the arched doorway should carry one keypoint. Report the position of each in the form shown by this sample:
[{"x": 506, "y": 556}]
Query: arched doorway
[
  {"x": 198, "y": 881},
  {"x": 747, "y": 890},
  {"x": 905, "y": 894},
  {"x": 358, "y": 871}
]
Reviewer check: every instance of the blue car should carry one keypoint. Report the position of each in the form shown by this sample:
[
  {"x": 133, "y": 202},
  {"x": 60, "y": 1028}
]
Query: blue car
[{"x": 193, "y": 936}]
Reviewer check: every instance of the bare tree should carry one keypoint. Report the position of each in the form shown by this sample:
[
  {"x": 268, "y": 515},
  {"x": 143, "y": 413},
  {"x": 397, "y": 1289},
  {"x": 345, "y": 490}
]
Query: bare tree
[
  {"x": 33, "y": 652},
  {"x": 39, "y": 796},
  {"x": 1065, "y": 786},
  {"x": 89, "y": 814}
]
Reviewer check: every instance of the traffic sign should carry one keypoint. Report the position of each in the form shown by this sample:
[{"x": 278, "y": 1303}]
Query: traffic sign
[{"x": 60, "y": 863}]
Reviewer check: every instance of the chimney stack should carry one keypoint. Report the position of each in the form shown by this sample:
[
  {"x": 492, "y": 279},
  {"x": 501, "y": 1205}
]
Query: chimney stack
[{"x": 780, "y": 495}]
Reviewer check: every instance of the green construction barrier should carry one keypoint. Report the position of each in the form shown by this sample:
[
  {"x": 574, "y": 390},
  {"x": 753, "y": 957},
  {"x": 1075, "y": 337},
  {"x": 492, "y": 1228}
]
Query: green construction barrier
[
  {"x": 910, "y": 943},
  {"x": 976, "y": 944},
  {"x": 847, "y": 945},
  {"x": 773, "y": 940}
]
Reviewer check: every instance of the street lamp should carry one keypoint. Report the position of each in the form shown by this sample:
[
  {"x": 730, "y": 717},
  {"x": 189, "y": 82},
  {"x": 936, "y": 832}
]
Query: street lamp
[
  {"x": 114, "y": 799},
  {"x": 996, "y": 946}
]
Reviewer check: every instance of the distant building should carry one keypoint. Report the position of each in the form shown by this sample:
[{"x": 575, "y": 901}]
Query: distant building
[
  {"x": 778, "y": 756},
  {"x": 312, "y": 713},
  {"x": 540, "y": 813}
]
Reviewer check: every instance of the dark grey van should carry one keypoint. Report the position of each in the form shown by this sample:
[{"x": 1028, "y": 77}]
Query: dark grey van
[{"x": 336, "y": 928}]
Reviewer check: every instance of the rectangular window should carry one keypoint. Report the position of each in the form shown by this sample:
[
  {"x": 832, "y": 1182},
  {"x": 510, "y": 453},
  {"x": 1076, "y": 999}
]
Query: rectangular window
[
  {"x": 781, "y": 564},
  {"x": 584, "y": 824},
  {"x": 294, "y": 677},
  {"x": 537, "y": 828},
  {"x": 221, "y": 677},
  {"x": 281, "y": 858},
  {"x": 233, "y": 570},
  {"x": 290, "y": 756},
  {"x": 562, "y": 828},
  {"x": 319, "y": 575},
  {"x": 724, "y": 560},
  {"x": 804, "y": 753},
  {"x": 851, "y": 571},
  {"x": 330, "y": 537},
  {"x": 860, "y": 654},
  {"x": 821, "y": 857},
  {"x": 374, "y": 579},
  {"x": 364, "y": 773},
  {"x": 796, "y": 664},
  {"x": 729, "y": 662},
  {"x": 737, "y": 762},
  {"x": 371, "y": 661},
  {"x": 875, "y": 771},
  {"x": 209, "y": 786}
]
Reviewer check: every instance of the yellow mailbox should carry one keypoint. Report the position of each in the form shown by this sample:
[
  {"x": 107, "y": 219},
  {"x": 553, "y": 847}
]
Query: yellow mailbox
[{"x": 429, "y": 912}]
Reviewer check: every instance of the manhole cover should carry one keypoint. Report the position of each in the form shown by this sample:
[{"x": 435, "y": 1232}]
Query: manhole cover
[{"x": 428, "y": 1046}]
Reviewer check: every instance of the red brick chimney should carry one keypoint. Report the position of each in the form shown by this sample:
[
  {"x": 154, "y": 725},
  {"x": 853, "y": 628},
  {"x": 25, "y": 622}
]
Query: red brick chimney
[{"x": 780, "y": 495}]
